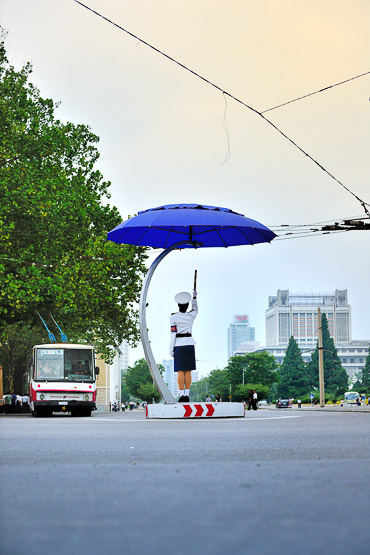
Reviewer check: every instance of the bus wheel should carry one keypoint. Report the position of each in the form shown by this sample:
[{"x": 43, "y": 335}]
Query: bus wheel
[
  {"x": 35, "y": 413},
  {"x": 87, "y": 412}
]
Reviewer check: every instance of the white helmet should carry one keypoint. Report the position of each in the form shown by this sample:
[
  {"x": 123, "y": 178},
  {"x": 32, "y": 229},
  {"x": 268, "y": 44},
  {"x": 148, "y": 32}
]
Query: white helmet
[{"x": 182, "y": 298}]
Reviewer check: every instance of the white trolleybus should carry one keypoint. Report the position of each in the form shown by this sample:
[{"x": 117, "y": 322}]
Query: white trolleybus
[{"x": 63, "y": 379}]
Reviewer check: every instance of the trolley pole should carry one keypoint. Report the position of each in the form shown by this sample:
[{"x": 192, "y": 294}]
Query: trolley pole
[{"x": 321, "y": 360}]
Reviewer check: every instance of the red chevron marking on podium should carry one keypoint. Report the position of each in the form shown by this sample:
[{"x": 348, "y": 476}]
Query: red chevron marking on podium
[
  {"x": 200, "y": 410},
  {"x": 211, "y": 410},
  {"x": 188, "y": 411}
]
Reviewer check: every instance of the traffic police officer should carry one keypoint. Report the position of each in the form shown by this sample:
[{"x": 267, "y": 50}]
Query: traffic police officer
[{"x": 182, "y": 342}]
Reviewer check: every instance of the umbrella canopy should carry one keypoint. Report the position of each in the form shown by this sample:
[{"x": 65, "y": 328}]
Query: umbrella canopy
[{"x": 204, "y": 226}]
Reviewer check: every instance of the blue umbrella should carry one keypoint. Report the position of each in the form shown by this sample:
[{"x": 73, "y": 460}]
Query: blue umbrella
[
  {"x": 199, "y": 225},
  {"x": 183, "y": 226}
]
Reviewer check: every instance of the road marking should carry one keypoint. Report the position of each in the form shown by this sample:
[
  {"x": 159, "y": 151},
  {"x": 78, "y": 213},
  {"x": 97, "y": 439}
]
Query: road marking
[
  {"x": 274, "y": 417},
  {"x": 180, "y": 419},
  {"x": 118, "y": 420}
]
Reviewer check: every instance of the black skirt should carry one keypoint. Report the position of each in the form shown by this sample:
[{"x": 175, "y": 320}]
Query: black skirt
[{"x": 184, "y": 358}]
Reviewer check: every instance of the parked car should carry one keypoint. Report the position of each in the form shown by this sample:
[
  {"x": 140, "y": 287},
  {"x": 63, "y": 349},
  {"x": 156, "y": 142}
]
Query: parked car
[
  {"x": 283, "y": 404},
  {"x": 263, "y": 403}
]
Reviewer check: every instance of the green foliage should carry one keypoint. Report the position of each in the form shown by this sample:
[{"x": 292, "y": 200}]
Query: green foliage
[
  {"x": 259, "y": 371},
  {"x": 259, "y": 368},
  {"x": 147, "y": 392},
  {"x": 335, "y": 376},
  {"x": 16, "y": 342},
  {"x": 214, "y": 384},
  {"x": 139, "y": 381},
  {"x": 241, "y": 392},
  {"x": 365, "y": 380},
  {"x": 294, "y": 378},
  {"x": 54, "y": 217}
]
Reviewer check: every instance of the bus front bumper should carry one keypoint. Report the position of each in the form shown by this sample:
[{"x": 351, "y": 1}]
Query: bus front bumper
[{"x": 64, "y": 406}]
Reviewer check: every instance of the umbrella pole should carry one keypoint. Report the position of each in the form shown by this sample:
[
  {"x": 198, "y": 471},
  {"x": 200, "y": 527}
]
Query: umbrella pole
[{"x": 165, "y": 393}]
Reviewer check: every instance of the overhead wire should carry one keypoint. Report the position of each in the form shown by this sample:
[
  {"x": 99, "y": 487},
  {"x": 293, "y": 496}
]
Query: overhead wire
[
  {"x": 314, "y": 92},
  {"x": 222, "y": 90}
]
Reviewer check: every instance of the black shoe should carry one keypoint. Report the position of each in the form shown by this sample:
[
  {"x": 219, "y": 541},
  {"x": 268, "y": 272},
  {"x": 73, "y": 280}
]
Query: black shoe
[
  {"x": 186, "y": 399},
  {"x": 181, "y": 399}
]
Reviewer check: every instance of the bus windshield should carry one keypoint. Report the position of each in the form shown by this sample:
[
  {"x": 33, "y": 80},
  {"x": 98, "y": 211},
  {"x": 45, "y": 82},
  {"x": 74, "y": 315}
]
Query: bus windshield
[
  {"x": 64, "y": 364},
  {"x": 351, "y": 395}
]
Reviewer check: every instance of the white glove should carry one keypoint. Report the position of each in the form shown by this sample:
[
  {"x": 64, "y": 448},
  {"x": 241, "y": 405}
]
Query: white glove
[
  {"x": 171, "y": 354},
  {"x": 195, "y": 294}
]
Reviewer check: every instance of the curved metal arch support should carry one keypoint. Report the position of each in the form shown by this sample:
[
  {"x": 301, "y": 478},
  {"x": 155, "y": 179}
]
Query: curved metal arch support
[{"x": 165, "y": 393}]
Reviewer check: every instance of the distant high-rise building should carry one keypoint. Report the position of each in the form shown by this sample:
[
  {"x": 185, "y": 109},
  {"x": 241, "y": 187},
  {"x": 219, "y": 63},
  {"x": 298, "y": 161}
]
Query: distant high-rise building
[
  {"x": 241, "y": 336},
  {"x": 117, "y": 369},
  {"x": 170, "y": 377}
]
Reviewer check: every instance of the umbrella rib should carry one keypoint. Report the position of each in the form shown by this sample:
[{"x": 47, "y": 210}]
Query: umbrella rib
[
  {"x": 143, "y": 235},
  {"x": 212, "y": 229},
  {"x": 168, "y": 236},
  {"x": 220, "y": 237},
  {"x": 245, "y": 237},
  {"x": 261, "y": 233}
]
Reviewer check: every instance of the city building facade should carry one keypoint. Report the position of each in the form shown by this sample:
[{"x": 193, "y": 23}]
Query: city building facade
[
  {"x": 117, "y": 369},
  {"x": 295, "y": 314},
  {"x": 241, "y": 336}
]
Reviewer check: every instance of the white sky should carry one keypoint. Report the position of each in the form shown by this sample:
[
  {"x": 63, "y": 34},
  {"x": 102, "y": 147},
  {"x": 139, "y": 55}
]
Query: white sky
[{"x": 162, "y": 139}]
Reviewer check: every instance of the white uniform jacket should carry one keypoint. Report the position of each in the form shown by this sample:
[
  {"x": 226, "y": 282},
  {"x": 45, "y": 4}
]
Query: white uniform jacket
[{"x": 182, "y": 322}]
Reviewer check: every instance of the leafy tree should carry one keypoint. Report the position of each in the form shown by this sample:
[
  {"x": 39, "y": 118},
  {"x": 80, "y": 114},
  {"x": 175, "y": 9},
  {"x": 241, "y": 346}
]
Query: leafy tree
[
  {"x": 147, "y": 392},
  {"x": 258, "y": 368},
  {"x": 365, "y": 380},
  {"x": 54, "y": 217},
  {"x": 241, "y": 392},
  {"x": 199, "y": 390},
  {"x": 294, "y": 378},
  {"x": 15, "y": 341},
  {"x": 335, "y": 376},
  {"x": 138, "y": 377},
  {"x": 218, "y": 383},
  {"x": 214, "y": 384}
]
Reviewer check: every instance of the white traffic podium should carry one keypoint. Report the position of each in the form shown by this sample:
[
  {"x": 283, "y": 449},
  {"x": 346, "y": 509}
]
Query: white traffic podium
[{"x": 195, "y": 410}]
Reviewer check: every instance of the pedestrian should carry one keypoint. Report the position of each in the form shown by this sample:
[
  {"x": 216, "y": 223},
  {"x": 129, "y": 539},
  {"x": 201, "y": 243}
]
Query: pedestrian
[
  {"x": 250, "y": 399},
  {"x": 18, "y": 403},
  {"x": 123, "y": 407},
  {"x": 182, "y": 342},
  {"x": 208, "y": 399},
  {"x": 7, "y": 403},
  {"x": 218, "y": 398},
  {"x": 299, "y": 403},
  {"x": 255, "y": 400},
  {"x": 25, "y": 403}
]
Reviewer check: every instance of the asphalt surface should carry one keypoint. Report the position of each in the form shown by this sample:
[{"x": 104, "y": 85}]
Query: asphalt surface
[{"x": 284, "y": 481}]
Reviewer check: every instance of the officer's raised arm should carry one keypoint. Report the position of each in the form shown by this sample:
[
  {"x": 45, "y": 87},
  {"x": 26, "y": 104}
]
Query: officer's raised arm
[{"x": 194, "y": 302}]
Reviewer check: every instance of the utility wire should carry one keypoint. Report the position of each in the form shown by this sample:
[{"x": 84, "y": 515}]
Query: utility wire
[
  {"x": 315, "y": 224},
  {"x": 363, "y": 203},
  {"x": 315, "y": 92}
]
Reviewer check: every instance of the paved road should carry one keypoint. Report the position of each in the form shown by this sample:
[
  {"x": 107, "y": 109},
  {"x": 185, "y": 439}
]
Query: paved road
[{"x": 275, "y": 481}]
